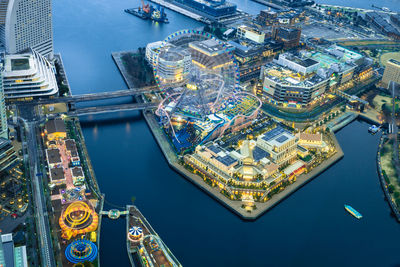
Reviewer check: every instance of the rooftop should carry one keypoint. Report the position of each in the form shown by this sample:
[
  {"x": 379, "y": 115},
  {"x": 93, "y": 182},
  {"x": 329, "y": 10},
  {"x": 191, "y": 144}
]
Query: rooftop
[
  {"x": 54, "y": 126},
  {"x": 77, "y": 171},
  {"x": 278, "y": 136},
  {"x": 53, "y": 156},
  {"x": 394, "y": 61},
  {"x": 209, "y": 47},
  {"x": 57, "y": 174},
  {"x": 226, "y": 160}
]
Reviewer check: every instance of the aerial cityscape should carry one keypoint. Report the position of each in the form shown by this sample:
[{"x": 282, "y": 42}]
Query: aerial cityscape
[{"x": 174, "y": 132}]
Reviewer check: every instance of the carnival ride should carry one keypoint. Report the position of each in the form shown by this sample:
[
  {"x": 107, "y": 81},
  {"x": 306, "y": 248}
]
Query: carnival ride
[
  {"x": 135, "y": 234},
  {"x": 210, "y": 88},
  {"x": 78, "y": 218},
  {"x": 81, "y": 250}
]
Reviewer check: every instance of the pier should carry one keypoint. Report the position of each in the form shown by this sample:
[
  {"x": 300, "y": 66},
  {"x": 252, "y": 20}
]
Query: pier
[
  {"x": 144, "y": 245},
  {"x": 181, "y": 11}
]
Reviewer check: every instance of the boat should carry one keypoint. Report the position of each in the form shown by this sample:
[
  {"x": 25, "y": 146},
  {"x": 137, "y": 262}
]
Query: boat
[
  {"x": 147, "y": 11},
  {"x": 352, "y": 211},
  {"x": 374, "y": 129}
]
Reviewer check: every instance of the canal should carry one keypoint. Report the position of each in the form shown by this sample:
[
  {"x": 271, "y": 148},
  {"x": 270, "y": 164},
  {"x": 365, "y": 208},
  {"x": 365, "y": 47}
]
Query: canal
[{"x": 310, "y": 228}]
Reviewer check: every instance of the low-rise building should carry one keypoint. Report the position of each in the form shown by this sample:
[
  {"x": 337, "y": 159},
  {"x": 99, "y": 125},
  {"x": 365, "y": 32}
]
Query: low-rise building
[
  {"x": 53, "y": 157},
  {"x": 57, "y": 176},
  {"x": 55, "y": 129},
  {"x": 299, "y": 78},
  {"x": 250, "y": 33},
  {"x": 280, "y": 144},
  {"x": 310, "y": 139},
  {"x": 78, "y": 177},
  {"x": 72, "y": 152}
]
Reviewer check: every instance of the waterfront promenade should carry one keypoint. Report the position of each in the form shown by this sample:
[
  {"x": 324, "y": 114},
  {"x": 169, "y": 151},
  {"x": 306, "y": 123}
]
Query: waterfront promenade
[{"x": 382, "y": 181}]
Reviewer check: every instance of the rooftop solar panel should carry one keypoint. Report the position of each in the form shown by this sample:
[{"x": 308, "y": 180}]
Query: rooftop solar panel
[{"x": 282, "y": 139}]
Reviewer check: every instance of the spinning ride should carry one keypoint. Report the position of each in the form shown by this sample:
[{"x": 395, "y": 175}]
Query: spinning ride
[
  {"x": 78, "y": 218},
  {"x": 81, "y": 250}
]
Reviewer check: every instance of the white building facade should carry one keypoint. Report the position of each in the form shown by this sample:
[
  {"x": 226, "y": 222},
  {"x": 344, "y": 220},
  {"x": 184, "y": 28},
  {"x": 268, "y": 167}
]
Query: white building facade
[
  {"x": 28, "y": 75},
  {"x": 26, "y": 24},
  {"x": 3, "y": 115}
]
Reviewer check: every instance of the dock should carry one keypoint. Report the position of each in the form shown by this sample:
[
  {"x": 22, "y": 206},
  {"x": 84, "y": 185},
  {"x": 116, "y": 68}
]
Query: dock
[
  {"x": 198, "y": 15},
  {"x": 342, "y": 121},
  {"x": 269, "y": 4},
  {"x": 181, "y": 10},
  {"x": 144, "y": 246}
]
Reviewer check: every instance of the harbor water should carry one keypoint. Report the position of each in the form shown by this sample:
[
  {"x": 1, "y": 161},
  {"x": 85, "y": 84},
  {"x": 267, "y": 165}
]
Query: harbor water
[{"x": 310, "y": 228}]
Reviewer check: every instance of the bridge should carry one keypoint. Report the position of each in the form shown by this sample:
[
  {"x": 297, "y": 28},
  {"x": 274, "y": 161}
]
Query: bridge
[
  {"x": 350, "y": 97},
  {"x": 114, "y": 213},
  {"x": 73, "y": 110},
  {"x": 112, "y": 108},
  {"x": 94, "y": 96}
]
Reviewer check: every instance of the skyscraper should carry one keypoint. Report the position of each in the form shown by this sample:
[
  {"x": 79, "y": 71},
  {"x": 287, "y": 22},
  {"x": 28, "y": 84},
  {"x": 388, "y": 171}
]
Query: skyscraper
[
  {"x": 26, "y": 24},
  {"x": 392, "y": 72},
  {"x": 3, "y": 115}
]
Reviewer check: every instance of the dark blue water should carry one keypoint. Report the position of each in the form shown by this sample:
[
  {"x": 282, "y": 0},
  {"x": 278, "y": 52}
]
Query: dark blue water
[{"x": 310, "y": 228}]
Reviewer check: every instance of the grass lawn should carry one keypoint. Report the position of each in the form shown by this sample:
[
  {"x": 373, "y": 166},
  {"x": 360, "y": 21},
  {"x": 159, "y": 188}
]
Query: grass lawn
[
  {"x": 387, "y": 166},
  {"x": 58, "y": 108}
]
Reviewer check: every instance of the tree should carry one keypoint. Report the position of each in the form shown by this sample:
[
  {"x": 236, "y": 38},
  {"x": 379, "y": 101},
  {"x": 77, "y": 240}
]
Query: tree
[
  {"x": 391, "y": 188},
  {"x": 133, "y": 198}
]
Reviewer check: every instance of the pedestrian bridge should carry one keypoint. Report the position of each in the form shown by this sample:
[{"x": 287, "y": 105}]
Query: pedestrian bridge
[{"x": 113, "y": 213}]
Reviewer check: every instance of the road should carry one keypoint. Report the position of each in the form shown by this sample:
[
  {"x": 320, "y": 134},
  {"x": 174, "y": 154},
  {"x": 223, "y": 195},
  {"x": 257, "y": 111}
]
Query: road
[{"x": 39, "y": 201}]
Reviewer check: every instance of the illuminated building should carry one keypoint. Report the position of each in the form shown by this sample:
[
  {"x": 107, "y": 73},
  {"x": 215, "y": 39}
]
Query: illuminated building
[
  {"x": 53, "y": 157},
  {"x": 78, "y": 178},
  {"x": 310, "y": 140},
  {"x": 392, "y": 72},
  {"x": 300, "y": 78},
  {"x": 280, "y": 144},
  {"x": 7, "y": 154},
  {"x": 57, "y": 175},
  {"x": 210, "y": 54},
  {"x": 173, "y": 65},
  {"x": 252, "y": 34},
  {"x": 153, "y": 49},
  {"x": 11, "y": 255},
  {"x": 289, "y": 36},
  {"x": 55, "y": 129},
  {"x": 28, "y": 75}
]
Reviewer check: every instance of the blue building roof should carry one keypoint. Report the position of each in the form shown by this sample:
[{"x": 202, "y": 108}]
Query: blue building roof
[
  {"x": 226, "y": 160},
  {"x": 274, "y": 133},
  {"x": 259, "y": 154},
  {"x": 214, "y": 148}
]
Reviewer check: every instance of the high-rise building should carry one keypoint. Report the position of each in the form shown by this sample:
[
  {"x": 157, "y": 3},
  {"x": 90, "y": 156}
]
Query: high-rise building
[
  {"x": 26, "y": 24},
  {"x": 392, "y": 72},
  {"x": 289, "y": 36},
  {"x": 3, "y": 115},
  {"x": 28, "y": 75},
  {"x": 11, "y": 255}
]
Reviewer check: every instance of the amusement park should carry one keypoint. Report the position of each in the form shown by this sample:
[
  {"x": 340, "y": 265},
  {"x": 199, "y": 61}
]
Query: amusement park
[
  {"x": 199, "y": 80},
  {"x": 74, "y": 199}
]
